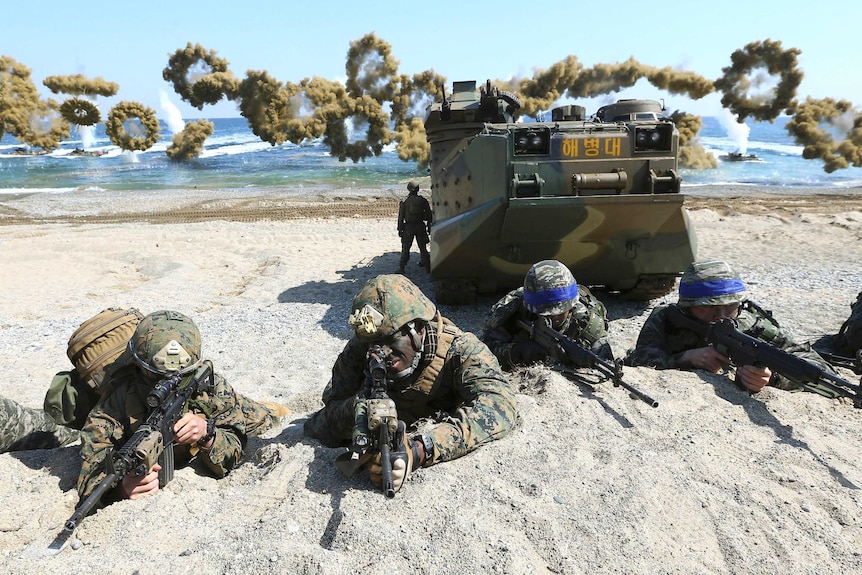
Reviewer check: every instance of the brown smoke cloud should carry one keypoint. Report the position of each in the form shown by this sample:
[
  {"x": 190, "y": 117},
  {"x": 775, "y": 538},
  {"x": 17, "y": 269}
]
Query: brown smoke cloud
[
  {"x": 19, "y": 97},
  {"x": 80, "y": 112},
  {"x": 354, "y": 122},
  {"x": 188, "y": 144},
  {"x": 199, "y": 76},
  {"x": 131, "y": 126},
  {"x": 377, "y": 104},
  {"x": 817, "y": 125},
  {"x": 45, "y": 128},
  {"x": 748, "y": 72},
  {"x": 80, "y": 85},
  {"x": 691, "y": 153}
]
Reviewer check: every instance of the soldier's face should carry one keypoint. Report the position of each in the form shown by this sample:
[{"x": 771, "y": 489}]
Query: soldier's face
[
  {"x": 399, "y": 352},
  {"x": 711, "y": 313},
  {"x": 557, "y": 319}
]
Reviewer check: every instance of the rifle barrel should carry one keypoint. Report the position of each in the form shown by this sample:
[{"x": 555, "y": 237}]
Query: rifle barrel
[
  {"x": 108, "y": 482},
  {"x": 636, "y": 392},
  {"x": 385, "y": 462},
  {"x": 539, "y": 332}
]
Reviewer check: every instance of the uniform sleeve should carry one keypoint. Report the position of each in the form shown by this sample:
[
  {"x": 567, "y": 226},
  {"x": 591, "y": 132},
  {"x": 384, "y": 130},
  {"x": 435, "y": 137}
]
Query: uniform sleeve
[
  {"x": 653, "y": 348},
  {"x": 333, "y": 425},
  {"x": 497, "y": 332},
  {"x": 102, "y": 429},
  {"x": 224, "y": 408},
  {"x": 488, "y": 407},
  {"x": 401, "y": 216},
  {"x": 786, "y": 343},
  {"x": 760, "y": 323},
  {"x": 427, "y": 215}
]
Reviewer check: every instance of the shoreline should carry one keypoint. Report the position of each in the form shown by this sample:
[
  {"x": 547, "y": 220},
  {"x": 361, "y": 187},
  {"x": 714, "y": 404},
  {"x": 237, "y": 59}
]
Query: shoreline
[{"x": 197, "y": 205}]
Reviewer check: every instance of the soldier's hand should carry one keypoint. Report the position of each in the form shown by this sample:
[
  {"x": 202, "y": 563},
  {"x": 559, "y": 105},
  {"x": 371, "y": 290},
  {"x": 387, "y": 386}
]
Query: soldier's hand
[
  {"x": 190, "y": 428},
  {"x": 402, "y": 459},
  {"x": 133, "y": 486},
  {"x": 753, "y": 378},
  {"x": 705, "y": 358},
  {"x": 400, "y": 233}
]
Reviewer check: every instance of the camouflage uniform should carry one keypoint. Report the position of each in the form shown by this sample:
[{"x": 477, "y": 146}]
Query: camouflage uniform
[
  {"x": 463, "y": 391},
  {"x": 414, "y": 221},
  {"x": 165, "y": 342},
  {"x": 549, "y": 291},
  {"x": 587, "y": 324},
  {"x": 848, "y": 341},
  {"x": 661, "y": 345},
  {"x": 23, "y": 428},
  {"x": 121, "y": 413}
]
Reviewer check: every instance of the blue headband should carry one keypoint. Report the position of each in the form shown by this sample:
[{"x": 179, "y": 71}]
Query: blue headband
[
  {"x": 711, "y": 288},
  {"x": 551, "y": 296}
]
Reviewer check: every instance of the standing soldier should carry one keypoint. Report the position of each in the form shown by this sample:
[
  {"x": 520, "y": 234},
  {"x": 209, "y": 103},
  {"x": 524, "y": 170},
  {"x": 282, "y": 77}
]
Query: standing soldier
[{"x": 414, "y": 221}]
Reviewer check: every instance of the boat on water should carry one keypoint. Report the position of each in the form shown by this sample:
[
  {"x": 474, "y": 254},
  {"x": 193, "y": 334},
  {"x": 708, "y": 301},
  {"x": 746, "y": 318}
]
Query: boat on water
[
  {"x": 28, "y": 152},
  {"x": 88, "y": 153},
  {"x": 739, "y": 157}
]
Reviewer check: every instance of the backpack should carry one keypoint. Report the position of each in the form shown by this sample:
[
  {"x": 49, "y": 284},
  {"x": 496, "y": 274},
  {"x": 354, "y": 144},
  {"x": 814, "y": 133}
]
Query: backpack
[
  {"x": 95, "y": 350},
  {"x": 849, "y": 338},
  {"x": 414, "y": 209}
]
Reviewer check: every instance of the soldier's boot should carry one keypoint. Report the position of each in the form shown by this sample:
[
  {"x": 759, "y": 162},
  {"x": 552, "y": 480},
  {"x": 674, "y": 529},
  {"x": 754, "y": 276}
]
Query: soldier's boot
[
  {"x": 425, "y": 262},
  {"x": 261, "y": 416},
  {"x": 278, "y": 409}
]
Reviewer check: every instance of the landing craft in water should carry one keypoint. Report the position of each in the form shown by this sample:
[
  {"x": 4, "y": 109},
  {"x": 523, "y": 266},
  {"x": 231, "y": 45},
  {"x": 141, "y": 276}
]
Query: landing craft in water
[
  {"x": 739, "y": 157},
  {"x": 602, "y": 195}
]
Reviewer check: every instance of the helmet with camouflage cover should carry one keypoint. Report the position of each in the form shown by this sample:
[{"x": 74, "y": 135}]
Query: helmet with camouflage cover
[
  {"x": 550, "y": 288},
  {"x": 165, "y": 342},
  {"x": 412, "y": 186},
  {"x": 711, "y": 282},
  {"x": 387, "y": 303}
]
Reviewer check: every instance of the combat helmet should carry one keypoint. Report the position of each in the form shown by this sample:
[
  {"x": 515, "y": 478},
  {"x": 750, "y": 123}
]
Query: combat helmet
[
  {"x": 387, "y": 303},
  {"x": 412, "y": 186},
  {"x": 550, "y": 288},
  {"x": 711, "y": 282},
  {"x": 166, "y": 342}
]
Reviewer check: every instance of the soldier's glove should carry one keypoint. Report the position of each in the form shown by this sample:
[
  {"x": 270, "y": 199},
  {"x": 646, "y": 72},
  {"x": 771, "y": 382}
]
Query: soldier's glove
[
  {"x": 400, "y": 233},
  {"x": 403, "y": 458},
  {"x": 526, "y": 352}
]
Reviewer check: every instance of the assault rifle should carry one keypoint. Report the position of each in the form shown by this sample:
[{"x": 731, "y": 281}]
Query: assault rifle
[
  {"x": 375, "y": 422},
  {"x": 743, "y": 349},
  {"x": 854, "y": 364},
  {"x": 153, "y": 441},
  {"x": 577, "y": 355}
]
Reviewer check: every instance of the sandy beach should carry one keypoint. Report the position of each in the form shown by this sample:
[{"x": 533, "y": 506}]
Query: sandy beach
[{"x": 712, "y": 481}]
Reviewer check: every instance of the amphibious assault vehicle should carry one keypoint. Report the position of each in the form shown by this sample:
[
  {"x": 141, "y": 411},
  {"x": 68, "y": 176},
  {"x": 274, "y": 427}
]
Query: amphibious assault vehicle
[{"x": 602, "y": 195}]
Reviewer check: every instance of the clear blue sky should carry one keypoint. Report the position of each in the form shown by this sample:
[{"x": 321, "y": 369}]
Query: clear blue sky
[{"x": 129, "y": 43}]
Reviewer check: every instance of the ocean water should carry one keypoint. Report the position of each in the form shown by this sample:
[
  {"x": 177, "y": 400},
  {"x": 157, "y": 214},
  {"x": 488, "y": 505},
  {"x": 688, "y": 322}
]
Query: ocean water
[{"x": 235, "y": 159}]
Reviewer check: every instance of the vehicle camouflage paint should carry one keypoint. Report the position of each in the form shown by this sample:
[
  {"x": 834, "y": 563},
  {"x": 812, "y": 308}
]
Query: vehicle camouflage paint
[{"x": 602, "y": 195}]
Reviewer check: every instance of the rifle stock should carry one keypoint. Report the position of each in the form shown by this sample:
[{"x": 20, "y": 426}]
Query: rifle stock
[
  {"x": 147, "y": 445},
  {"x": 742, "y": 349},
  {"x": 580, "y": 356}
]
